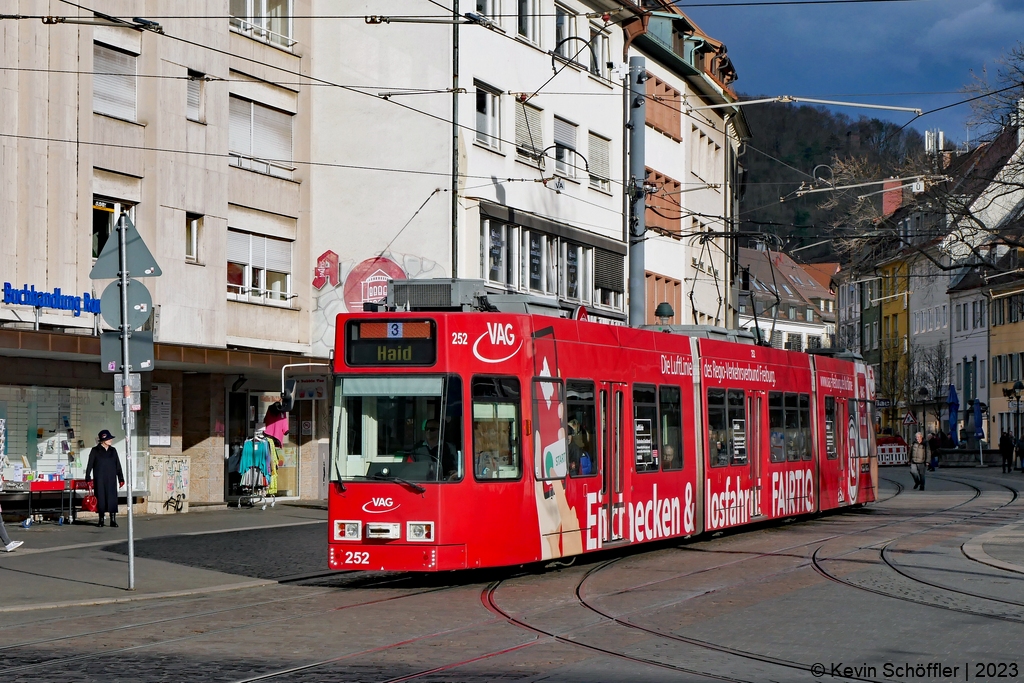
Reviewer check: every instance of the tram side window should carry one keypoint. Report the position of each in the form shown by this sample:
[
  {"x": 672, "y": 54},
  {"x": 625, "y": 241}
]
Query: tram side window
[
  {"x": 805, "y": 426},
  {"x": 670, "y": 403},
  {"x": 549, "y": 443},
  {"x": 581, "y": 443},
  {"x": 718, "y": 430},
  {"x": 831, "y": 451},
  {"x": 496, "y": 452},
  {"x": 645, "y": 426},
  {"x": 738, "y": 427},
  {"x": 777, "y": 426},
  {"x": 794, "y": 449}
]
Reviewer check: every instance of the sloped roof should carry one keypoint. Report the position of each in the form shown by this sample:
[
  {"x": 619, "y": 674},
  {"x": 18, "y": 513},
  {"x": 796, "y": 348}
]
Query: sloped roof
[{"x": 822, "y": 272}]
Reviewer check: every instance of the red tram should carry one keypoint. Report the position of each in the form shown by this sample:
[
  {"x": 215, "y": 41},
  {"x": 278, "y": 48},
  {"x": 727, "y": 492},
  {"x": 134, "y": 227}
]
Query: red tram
[{"x": 475, "y": 439}]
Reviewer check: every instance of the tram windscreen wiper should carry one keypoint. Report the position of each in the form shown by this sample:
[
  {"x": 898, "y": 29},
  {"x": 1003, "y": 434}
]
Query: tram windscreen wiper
[{"x": 398, "y": 480}]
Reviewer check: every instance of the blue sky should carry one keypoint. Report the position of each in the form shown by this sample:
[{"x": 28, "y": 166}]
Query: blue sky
[{"x": 839, "y": 51}]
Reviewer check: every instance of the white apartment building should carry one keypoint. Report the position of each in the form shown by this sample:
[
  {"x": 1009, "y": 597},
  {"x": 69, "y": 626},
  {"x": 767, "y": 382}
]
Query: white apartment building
[{"x": 201, "y": 135}]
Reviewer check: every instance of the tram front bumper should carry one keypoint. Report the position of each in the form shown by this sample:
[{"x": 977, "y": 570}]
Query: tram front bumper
[{"x": 396, "y": 557}]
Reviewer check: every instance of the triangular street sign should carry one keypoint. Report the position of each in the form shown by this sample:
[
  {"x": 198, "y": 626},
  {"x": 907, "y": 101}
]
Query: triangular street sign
[
  {"x": 140, "y": 261},
  {"x": 909, "y": 419}
]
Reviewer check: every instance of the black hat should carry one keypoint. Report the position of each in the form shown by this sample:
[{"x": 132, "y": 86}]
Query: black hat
[{"x": 105, "y": 435}]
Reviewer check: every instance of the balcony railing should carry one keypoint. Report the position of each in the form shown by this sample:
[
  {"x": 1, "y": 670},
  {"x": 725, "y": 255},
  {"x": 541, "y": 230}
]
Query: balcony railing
[
  {"x": 274, "y": 168},
  {"x": 254, "y": 30}
]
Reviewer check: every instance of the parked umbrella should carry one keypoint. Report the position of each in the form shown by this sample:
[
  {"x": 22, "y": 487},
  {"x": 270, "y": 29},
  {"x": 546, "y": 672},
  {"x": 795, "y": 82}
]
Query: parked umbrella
[{"x": 954, "y": 413}]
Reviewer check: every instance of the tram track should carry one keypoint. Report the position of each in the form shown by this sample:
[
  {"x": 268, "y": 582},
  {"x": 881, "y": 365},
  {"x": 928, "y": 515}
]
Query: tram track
[{"x": 194, "y": 636}]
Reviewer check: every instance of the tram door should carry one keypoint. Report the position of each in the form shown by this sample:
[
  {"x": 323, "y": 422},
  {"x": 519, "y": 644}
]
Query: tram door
[
  {"x": 755, "y": 446},
  {"x": 612, "y": 421}
]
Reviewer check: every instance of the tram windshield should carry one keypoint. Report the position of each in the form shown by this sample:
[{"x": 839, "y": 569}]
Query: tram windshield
[{"x": 403, "y": 428}]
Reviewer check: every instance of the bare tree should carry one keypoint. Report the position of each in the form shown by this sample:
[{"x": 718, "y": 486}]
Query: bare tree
[{"x": 934, "y": 364}]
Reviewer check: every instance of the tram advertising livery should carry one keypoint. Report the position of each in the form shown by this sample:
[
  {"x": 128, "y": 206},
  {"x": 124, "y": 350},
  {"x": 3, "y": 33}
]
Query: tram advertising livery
[{"x": 472, "y": 439}]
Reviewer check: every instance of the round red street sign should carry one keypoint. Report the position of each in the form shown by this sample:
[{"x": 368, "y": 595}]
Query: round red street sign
[
  {"x": 581, "y": 314},
  {"x": 368, "y": 281}
]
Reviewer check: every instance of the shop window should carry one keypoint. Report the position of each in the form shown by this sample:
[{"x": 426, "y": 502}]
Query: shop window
[
  {"x": 580, "y": 428},
  {"x": 498, "y": 254},
  {"x": 496, "y": 428},
  {"x": 259, "y": 268},
  {"x": 114, "y": 82},
  {"x": 105, "y": 213},
  {"x": 671, "y": 410},
  {"x": 645, "y": 426}
]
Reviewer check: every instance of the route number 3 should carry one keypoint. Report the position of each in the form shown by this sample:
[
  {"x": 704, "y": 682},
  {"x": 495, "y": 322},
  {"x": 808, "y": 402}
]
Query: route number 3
[
  {"x": 460, "y": 339},
  {"x": 357, "y": 557}
]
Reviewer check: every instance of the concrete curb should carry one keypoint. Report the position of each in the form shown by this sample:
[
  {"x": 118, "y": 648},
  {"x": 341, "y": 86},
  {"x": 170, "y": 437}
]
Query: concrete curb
[
  {"x": 135, "y": 598},
  {"x": 973, "y": 550}
]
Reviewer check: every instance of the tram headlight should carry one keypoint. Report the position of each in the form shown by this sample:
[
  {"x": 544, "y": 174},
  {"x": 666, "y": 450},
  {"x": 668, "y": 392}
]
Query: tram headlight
[
  {"x": 419, "y": 531},
  {"x": 347, "y": 530}
]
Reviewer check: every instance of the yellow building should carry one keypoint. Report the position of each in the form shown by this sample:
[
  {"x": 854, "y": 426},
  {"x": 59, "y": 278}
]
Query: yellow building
[
  {"x": 892, "y": 380},
  {"x": 1006, "y": 351}
]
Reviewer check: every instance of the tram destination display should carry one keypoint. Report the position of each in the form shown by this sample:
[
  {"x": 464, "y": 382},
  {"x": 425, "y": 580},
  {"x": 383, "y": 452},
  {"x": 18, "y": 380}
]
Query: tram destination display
[{"x": 390, "y": 342}]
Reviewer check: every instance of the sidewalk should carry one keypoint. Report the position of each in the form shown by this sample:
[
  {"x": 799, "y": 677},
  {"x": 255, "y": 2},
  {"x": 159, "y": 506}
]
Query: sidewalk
[
  {"x": 1002, "y": 548},
  {"x": 69, "y": 565}
]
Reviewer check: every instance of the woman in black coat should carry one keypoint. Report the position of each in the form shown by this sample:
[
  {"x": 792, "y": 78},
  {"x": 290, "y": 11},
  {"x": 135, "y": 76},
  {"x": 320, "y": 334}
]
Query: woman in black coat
[{"x": 104, "y": 462}]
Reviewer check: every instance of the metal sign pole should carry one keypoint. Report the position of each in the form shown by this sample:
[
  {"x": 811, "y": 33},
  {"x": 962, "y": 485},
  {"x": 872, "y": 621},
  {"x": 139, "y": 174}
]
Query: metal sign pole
[{"x": 126, "y": 408}]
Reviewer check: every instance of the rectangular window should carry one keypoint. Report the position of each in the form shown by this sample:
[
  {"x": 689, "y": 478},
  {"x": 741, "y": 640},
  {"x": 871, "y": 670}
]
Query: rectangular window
[
  {"x": 266, "y": 20},
  {"x": 193, "y": 224},
  {"x": 259, "y": 138},
  {"x": 572, "y": 270},
  {"x": 549, "y": 430},
  {"x": 599, "y": 162},
  {"x": 194, "y": 96},
  {"x": 497, "y": 246},
  {"x": 981, "y": 313},
  {"x": 810, "y": 315},
  {"x": 565, "y": 148},
  {"x": 831, "y": 450},
  {"x": 609, "y": 278},
  {"x": 565, "y": 28},
  {"x": 945, "y": 316},
  {"x": 580, "y": 428},
  {"x": 794, "y": 341},
  {"x": 777, "y": 426},
  {"x": 671, "y": 409},
  {"x": 496, "y": 424},
  {"x": 407, "y": 427},
  {"x": 527, "y": 20},
  {"x": 959, "y": 377},
  {"x": 798, "y": 427},
  {"x": 105, "y": 213},
  {"x": 645, "y": 423},
  {"x": 114, "y": 82},
  {"x": 259, "y": 267},
  {"x": 981, "y": 373},
  {"x": 727, "y": 427},
  {"x": 488, "y": 122},
  {"x": 529, "y": 135},
  {"x": 958, "y": 317},
  {"x": 599, "y": 53},
  {"x": 486, "y": 7}
]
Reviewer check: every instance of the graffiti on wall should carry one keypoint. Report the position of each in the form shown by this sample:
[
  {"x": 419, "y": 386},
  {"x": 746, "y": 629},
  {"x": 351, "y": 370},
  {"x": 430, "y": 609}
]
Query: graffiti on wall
[{"x": 346, "y": 285}]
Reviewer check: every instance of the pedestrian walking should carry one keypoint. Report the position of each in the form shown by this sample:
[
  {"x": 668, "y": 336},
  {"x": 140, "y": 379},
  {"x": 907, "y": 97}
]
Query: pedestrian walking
[
  {"x": 104, "y": 463},
  {"x": 1006, "y": 451},
  {"x": 918, "y": 460},
  {"x": 933, "y": 451}
]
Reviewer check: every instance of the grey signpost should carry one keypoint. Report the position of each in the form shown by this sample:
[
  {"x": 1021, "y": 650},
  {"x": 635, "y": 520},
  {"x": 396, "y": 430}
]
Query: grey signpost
[{"x": 129, "y": 255}]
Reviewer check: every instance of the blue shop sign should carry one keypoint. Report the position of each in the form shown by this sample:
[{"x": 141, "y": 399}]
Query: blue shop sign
[{"x": 56, "y": 299}]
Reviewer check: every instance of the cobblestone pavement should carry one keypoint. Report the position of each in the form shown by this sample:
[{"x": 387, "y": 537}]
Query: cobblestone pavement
[{"x": 864, "y": 595}]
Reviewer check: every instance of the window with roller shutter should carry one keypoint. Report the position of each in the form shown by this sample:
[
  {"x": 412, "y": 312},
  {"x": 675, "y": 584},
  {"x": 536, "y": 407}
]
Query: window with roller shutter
[
  {"x": 529, "y": 132},
  {"x": 193, "y": 96},
  {"x": 259, "y": 268},
  {"x": 114, "y": 82},
  {"x": 598, "y": 156},
  {"x": 259, "y": 137},
  {"x": 565, "y": 148}
]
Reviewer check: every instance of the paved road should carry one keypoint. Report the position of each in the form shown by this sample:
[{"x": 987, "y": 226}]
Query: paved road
[{"x": 932, "y": 581}]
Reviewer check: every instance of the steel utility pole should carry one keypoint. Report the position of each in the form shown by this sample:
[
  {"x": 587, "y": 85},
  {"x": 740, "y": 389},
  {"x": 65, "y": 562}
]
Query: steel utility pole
[
  {"x": 126, "y": 407},
  {"x": 455, "y": 138},
  {"x": 636, "y": 188}
]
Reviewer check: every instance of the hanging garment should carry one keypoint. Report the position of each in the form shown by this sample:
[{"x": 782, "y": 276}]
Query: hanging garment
[
  {"x": 275, "y": 424},
  {"x": 255, "y": 453}
]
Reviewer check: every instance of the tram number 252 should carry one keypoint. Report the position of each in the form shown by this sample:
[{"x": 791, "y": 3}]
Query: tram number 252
[
  {"x": 357, "y": 557},
  {"x": 460, "y": 339}
]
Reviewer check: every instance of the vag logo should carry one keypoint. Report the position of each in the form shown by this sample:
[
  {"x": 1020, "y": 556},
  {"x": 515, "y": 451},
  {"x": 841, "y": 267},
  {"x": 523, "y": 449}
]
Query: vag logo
[
  {"x": 378, "y": 505},
  {"x": 497, "y": 334}
]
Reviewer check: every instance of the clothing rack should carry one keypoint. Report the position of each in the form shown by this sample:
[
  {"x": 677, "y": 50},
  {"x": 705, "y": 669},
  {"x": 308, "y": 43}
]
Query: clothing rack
[{"x": 258, "y": 467}]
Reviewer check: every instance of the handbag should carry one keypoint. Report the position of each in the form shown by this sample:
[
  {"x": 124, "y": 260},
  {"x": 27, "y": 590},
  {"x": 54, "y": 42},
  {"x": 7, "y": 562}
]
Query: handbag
[{"x": 89, "y": 502}]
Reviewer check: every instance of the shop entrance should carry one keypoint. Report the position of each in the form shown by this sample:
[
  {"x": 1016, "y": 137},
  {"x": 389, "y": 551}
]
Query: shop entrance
[{"x": 246, "y": 413}]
